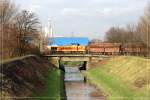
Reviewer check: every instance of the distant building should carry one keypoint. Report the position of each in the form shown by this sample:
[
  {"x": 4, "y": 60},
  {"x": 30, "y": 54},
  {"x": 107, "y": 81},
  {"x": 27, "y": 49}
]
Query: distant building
[{"x": 65, "y": 41}]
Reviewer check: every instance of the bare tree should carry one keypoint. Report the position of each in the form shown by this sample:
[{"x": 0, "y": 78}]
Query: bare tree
[
  {"x": 132, "y": 35},
  {"x": 144, "y": 27},
  {"x": 28, "y": 29},
  {"x": 128, "y": 34},
  {"x": 115, "y": 34},
  {"x": 139, "y": 34},
  {"x": 8, "y": 11},
  {"x": 19, "y": 30}
]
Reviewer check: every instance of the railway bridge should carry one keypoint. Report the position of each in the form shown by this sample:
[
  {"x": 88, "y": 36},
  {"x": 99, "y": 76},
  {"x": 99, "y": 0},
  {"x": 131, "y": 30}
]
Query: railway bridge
[{"x": 87, "y": 58}]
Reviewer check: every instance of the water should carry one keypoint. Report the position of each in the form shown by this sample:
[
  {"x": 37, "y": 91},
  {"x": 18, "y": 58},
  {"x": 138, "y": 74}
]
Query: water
[
  {"x": 73, "y": 75},
  {"x": 77, "y": 89}
]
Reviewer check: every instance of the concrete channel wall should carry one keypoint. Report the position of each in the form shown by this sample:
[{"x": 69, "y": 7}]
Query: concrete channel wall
[{"x": 23, "y": 77}]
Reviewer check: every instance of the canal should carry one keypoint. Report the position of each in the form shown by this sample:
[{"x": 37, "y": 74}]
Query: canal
[{"x": 77, "y": 88}]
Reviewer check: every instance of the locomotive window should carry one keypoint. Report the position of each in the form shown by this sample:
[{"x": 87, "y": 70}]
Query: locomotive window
[{"x": 54, "y": 48}]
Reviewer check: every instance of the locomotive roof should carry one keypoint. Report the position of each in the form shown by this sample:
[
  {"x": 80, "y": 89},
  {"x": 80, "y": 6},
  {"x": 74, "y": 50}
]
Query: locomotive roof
[{"x": 63, "y": 41}]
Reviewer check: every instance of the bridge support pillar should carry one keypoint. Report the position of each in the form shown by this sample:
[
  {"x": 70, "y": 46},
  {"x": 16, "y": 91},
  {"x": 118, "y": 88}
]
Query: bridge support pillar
[{"x": 87, "y": 65}]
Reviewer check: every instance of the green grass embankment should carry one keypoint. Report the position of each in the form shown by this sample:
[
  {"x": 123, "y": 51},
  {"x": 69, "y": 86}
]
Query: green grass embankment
[
  {"x": 122, "y": 78},
  {"x": 54, "y": 86}
]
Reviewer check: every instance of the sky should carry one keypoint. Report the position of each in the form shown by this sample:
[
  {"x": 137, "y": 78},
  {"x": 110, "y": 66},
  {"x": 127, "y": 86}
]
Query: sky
[{"x": 85, "y": 18}]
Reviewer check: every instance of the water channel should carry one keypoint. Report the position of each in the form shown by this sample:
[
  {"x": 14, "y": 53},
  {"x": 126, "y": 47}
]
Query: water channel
[{"x": 77, "y": 88}]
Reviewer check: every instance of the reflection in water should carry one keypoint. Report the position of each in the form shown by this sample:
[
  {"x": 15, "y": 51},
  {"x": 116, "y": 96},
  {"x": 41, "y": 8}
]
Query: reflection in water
[{"x": 76, "y": 89}]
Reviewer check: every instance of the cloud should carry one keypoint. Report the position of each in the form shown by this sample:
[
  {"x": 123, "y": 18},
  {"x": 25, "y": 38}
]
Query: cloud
[
  {"x": 34, "y": 8},
  {"x": 56, "y": 1},
  {"x": 75, "y": 13},
  {"x": 113, "y": 12},
  {"x": 103, "y": 12},
  {"x": 86, "y": 16},
  {"x": 70, "y": 12}
]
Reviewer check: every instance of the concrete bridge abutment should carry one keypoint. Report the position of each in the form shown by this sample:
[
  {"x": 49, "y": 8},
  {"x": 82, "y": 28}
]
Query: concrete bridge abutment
[{"x": 86, "y": 60}]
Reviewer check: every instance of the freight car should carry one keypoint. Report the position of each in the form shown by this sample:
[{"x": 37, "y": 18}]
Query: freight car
[
  {"x": 118, "y": 49},
  {"x": 105, "y": 48},
  {"x": 134, "y": 49}
]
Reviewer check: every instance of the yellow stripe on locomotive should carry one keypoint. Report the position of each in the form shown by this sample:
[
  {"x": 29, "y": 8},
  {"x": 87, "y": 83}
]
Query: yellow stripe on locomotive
[{"x": 72, "y": 48}]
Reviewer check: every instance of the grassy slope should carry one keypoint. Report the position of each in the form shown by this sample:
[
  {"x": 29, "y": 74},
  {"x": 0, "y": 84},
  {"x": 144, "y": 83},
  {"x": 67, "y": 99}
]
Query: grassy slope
[
  {"x": 118, "y": 75},
  {"x": 54, "y": 89}
]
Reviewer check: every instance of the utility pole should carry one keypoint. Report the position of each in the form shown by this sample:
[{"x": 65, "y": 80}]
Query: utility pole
[{"x": 72, "y": 34}]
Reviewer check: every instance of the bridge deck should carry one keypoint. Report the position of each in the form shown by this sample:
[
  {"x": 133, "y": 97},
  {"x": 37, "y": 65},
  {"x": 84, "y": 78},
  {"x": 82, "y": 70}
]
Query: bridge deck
[{"x": 74, "y": 55}]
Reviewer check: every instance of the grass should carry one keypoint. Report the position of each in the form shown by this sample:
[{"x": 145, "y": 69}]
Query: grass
[
  {"x": 54, "y": 89},
  {"x": 118, "y": 75}
]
